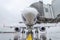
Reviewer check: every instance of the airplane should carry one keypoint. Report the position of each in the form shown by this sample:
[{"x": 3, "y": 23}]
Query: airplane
[{"x": 29, "y": 16}]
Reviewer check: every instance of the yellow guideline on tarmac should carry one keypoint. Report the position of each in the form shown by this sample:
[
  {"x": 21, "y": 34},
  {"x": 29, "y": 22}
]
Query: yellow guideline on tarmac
[{"x": 29, "y": 37}]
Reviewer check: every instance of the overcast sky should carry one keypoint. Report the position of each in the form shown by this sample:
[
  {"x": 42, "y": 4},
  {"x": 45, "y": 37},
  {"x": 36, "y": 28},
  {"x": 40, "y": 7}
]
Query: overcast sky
[{"x": 10, "y": 10}]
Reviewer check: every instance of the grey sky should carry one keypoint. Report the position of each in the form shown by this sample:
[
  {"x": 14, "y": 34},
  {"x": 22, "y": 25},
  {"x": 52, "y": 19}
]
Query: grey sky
[{"x": 10, "y": 10}]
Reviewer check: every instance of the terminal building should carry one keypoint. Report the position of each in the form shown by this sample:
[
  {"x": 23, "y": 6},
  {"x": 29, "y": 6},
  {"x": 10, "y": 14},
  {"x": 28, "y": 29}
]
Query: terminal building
[
  {"x": 44, "y": 10},
  {"x": 48, "y": 12}
]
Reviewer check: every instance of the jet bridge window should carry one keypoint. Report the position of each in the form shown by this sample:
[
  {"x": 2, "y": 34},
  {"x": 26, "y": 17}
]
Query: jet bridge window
[{"x": 46, "y": 9}]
